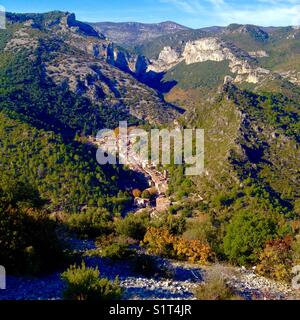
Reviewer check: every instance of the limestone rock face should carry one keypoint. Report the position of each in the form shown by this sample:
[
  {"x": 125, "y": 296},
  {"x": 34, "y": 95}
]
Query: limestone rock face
[
  {"x": 167, "y": 59},
  {"x": 291, "y": 75},
  {"x": 209, "y": 49},
  {"x": 125, "y": 61},
  {"x": 212, "y": 49},
  {"x": 258, "y": 54}
]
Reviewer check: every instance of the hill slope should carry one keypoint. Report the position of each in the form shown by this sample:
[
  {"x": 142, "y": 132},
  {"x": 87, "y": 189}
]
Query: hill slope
[
  {"x": 134, "y": 33},
  {"x": 55, "y": 52}
]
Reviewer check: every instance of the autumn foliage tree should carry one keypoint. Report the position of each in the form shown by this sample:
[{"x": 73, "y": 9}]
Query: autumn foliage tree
[
  {"x": 160, "y": 242},
  {"x": 276, "y": 259},
  {"x": 136, "y": 193}
]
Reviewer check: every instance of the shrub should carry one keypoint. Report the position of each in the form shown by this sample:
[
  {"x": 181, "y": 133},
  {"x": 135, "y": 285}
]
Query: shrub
[
  {"x": 84, "y": 283},
  {"x": 175, "y": 224},
  {"x": 160, "y": 242},
  {"x": 246, "y": 235},
  {"x": 116, "y": 251},
  {"x": 119, "y": 203},
  {"x": 192, "y": 250},
  {"x": 296, "y": 250},
  {"x": 146, "y": 194},
  {"x": 133, "y": 226},
  {"x": 91, "y": 223},
  {"x": 201, "y": 229},
  {"x": 106, "y": 240},
  {"x": 112, "y": 247},
  {"x": 215, "y": 288},
  {"x": 276, "y": 260},
  {"x": 136, "y": 193},
  {"x": 28, "y": 240}
]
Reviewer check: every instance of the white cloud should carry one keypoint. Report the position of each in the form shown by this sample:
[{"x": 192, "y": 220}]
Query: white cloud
[
  {"x": 266, "y": 16},
  {"x": 217, "y": 3},
  {"x": 184, "y": 5},
  {"x": 260, "y": 12}
]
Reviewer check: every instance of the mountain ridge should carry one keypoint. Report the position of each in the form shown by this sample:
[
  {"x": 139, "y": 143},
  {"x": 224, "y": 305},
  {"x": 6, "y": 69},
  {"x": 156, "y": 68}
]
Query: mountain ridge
[
  {"x": 59, "y": 36},
  {"x": 136, "y": 32}
]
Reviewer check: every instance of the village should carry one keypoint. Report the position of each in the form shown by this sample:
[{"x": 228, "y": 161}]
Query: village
[{"x": 155, "y": 196}]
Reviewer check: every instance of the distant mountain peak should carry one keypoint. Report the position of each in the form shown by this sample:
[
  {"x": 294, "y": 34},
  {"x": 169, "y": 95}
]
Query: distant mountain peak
[
  {"x": 135, "y": 33},
  {"x": 254, "y": 31}
]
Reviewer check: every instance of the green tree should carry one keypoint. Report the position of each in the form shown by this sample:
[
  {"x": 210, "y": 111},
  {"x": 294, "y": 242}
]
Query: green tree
[
  {"x": 133, "y": 226},
  {"x": 246, "y": 236}
]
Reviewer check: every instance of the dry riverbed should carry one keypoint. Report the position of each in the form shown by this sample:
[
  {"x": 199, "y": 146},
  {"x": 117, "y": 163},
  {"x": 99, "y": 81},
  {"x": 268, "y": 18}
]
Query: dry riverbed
[{"x": 185, "y": 278}]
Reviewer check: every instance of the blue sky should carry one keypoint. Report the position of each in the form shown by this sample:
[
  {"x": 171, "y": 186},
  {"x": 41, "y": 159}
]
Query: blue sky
[{"x": 193, "y": 13}]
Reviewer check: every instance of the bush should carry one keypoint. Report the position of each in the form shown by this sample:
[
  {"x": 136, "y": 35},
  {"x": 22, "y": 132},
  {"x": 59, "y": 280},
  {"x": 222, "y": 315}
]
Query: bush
[
  {"x": 192, "y": 250},
  {"x": 28, "y": 240},
  {"x": 107, "y": 240},
  {"x": 276, "y": 260},
  {"x": 246, "y": 235},
  {"x": 116, "y": 251},
  {"x": 133, "y": 226},
  {"x": 146, "y": 194},
  {"x": 112, "y": 247},
  {"x": 215, "y": 288},
  {"x": 175, "y": 224},
  {"x": 84, "y": 283},
  {"x": 136, "y": 193},
  {"x": 223, "y": 200},
  {"x": 296, "y": 250},
  {"x": 120, "y": 203},
  {"x": 91, "y": 223},
  {"x": 201, "y": 229},
  {"x": 160, "y": 242}
]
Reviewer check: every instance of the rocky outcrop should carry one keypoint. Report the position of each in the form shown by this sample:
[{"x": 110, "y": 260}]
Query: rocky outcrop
[
  {"x": 292, "y": 75},
  {"x": 212, "y": 49},
  {"x": 75, "y": 33},
  {"x": 122, "y": 59},
  {"x": 133, "y": 64},
  {"x": 21, "y": 40},
  {"x": 258, "y": 54},
  {"x": 102, "y": 83},
  {"x": 69, "y": 21},
  {"x": 88, "y": 65},
  {"x": 167, "y": 59},
  {"x": 294, "y": 34}
]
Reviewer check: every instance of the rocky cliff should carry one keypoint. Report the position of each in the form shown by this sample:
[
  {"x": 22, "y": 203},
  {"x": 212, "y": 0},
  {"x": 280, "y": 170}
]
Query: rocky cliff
[
  {"x": 212, "y": 49},
  {"x": 80, "y": 59}
]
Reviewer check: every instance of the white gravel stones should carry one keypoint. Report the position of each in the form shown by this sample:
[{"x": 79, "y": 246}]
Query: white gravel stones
[{"x": 185, "y": 279}]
